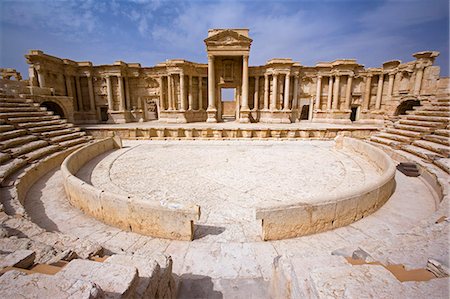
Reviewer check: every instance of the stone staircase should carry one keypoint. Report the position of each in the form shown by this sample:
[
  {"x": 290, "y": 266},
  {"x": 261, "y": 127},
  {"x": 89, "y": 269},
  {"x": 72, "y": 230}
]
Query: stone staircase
[
  {"x": 424, "y": 132},
  {"x": 29, "y": 132}
]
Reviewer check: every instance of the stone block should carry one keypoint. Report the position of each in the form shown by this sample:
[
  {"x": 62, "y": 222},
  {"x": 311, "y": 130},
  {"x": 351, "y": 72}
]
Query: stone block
[
  {"x": 16, "y": 284},
  {"x": 20, "y": 259},
  {"x": 117, "y": 281}
]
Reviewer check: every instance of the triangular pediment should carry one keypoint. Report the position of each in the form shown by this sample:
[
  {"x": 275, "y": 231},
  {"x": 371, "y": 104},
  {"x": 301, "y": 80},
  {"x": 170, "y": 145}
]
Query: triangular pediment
[{"x": 227, "y": 37}]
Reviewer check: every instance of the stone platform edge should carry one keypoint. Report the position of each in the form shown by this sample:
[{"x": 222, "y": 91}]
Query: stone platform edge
[
  {"x": 332, "y": 211},
  {"x": 227, "y": 133},
  {"x": 170, "y": 221}
]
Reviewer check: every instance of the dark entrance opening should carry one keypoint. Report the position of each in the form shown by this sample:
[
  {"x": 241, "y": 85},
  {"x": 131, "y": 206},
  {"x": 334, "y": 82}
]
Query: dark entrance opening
[
  {"x": 405, "y": 106},
  {"x": 55, "y": 108},
  {"x": 304, "y": 113},
  {"x": 354, "y": 113},
  {"x": 104, "y": 113}
]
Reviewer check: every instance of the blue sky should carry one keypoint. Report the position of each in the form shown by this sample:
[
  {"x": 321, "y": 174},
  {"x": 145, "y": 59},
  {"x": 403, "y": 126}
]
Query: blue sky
[{"x": 148, "y": 32}]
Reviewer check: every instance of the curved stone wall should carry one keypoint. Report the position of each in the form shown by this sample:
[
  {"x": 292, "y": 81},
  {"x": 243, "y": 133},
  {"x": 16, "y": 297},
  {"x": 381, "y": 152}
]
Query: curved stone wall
[
  {"x": 170, "y": 221},
  {"x": 289, "y": 221}
]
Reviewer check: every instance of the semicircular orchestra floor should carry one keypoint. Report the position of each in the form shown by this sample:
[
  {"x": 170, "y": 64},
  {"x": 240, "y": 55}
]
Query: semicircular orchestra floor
[
  {"x": 225, "y": 255},
  {"x": 229, "y": 179}
]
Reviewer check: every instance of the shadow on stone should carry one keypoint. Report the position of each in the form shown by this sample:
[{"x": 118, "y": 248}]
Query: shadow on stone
[
  {"x": 197, "y": 286},
  {"x": 201, "y": 231}
]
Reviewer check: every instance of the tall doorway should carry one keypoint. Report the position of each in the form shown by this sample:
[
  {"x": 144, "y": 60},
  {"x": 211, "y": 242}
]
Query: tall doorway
[{"x": 228, "y": 102}]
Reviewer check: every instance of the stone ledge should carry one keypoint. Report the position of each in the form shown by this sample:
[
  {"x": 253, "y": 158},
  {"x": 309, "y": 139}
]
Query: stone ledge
[
  {"x": 294, "y": 220},
  {"x": 169, "y": 220}
]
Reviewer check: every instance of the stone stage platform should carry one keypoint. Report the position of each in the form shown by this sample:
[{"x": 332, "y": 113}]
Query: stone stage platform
[{"x": 229, "y": 130}]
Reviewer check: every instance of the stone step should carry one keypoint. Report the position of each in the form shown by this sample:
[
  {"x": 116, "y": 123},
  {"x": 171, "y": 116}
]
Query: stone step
[
  {"x": 16, "y": 141},
  {"x": 12, "y": 134},
  {"x": 4, "y": 157},
  {"x": 73, "y": 142},
  {"x": 117, "y": 281},
  {"x": 385, "y": 141},
  {"x": 11, "y": 167},
  {"x": 438, "y": 139},
  {"x": 442, "y": 132},
  {"x": 407, "y": 133},
  {"x": 20, "y": 283},
  {"x": 61, "y": 138},
  {"x": 421, "y": 123},
  {"x": 432, "y": 108},
  {"x": 443, "y": 163},
  {"x": 440, "y": 149},
  {"x": 28, "y": 147},
  {"x": 440, "y": 119},
  {"x": 440, "y": 104},
  {"x": 19, "y": 109},
  {"x": 15, "y": 100},
  {"x": 30, "y": 119},
  {"x": 420, "y": 152},
  {"x": 41, "y": 152},
  {"x": 42, "y": 123},
  {"x": 13, "y": 105},
  {"x": 55, "y": 133},
  {"x": 413, "y": 128},
  {"x": 25, "y": 114},
  {"x": 443, "y": 99},
  {"x": 395, "y": 137},
  {"x": 429, "y": 113},
  {"x": 5, "y": 128},
  {"x": 55, "y": 127}
]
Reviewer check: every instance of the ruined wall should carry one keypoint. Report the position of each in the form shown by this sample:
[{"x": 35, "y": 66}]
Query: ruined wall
[{"x": 171, "y": 91}]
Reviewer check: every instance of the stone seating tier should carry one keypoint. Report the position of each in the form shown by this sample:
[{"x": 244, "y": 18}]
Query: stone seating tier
[
  {"x": 29, "y": 132},
  {"x": 423, "y": 131}
]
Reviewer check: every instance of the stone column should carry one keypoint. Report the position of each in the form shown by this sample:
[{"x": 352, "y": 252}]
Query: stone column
[
  {"x": 91, "y": 93},
  {"x": 266, "y": 92},
  {"x": 330, "y": 92},
  {"x": 182, "y": 92},
  {"x": 348, "y": 92},
  {"x": 244, "y": 105},
  {"x": 200, "y": 93},
  {"x": 368, "y": 88},
  {"x": 256, "y": 95},
  {"x": 417, "y": 82},
  {"x": 211, "y": 91},
  {"x": 318, "y": 91},
  {"x": 295, "y": 97},
  {"x": 127, "y": 94},
  {"x": 121, "y": 94},
  {"x": 390, "y": 86},
  {"x": 161, "y": 93},
  {"x": 190, "y": 98},
  {"x": 398, "y": 79},
  {"x": 287, "y": 81},
  {"x": 41, "y": 78},
  {"x": 335, "y": 105},
  {"x": 310, "y": 111},
  {"x": 273, "y": 103},
  {"x": 79, "y": 96},
  {"x": 69, "y": 86},
  {"x": 109, "y": 93},
  {"x": 170, "y": 91},
  {"x": 379, "y": 92}
]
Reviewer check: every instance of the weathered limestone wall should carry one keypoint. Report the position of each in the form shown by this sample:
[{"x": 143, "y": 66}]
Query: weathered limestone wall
[
  {"x": 171, "y": 221},
  {"x": 281, "y": 91},
  {"x": 296, "y": 220}
]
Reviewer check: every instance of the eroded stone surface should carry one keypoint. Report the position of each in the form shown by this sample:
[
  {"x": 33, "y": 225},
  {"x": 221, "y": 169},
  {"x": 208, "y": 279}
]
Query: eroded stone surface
[
  {"x": 115, "y": 280},
  {"x": 16, "y": 284}
]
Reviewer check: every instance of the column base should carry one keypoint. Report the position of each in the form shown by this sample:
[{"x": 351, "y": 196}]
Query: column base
[
  {"x": 244, "y": 116},
  {"x": 212, "y": 115}
]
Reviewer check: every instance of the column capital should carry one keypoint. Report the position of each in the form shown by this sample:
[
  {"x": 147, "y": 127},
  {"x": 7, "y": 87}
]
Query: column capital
[{"x": 210, "y": 57}]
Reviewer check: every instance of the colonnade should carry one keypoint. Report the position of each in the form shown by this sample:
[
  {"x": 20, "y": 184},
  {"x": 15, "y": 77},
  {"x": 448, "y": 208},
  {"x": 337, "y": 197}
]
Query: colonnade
[{"x": 168, "y": 90}]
